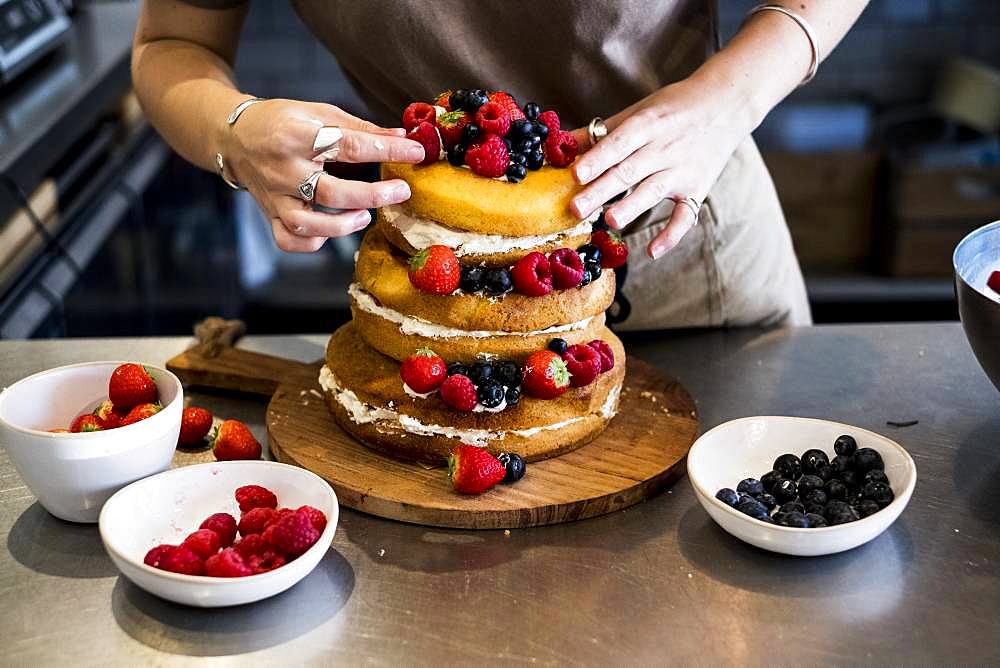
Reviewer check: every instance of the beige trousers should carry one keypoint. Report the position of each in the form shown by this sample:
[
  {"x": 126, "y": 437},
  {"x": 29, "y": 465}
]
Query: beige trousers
[{"x": 735, "y": 268}]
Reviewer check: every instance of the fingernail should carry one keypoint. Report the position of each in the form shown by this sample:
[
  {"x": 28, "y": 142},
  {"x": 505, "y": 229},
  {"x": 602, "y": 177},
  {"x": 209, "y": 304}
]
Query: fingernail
[
  {"x": 656, "y": 251},
  {"x": 415, "y": 153},
  {"x": 582, "y": 172},
  {"x": 362, "y": 220},
  {"x": 582, "y": 203}
]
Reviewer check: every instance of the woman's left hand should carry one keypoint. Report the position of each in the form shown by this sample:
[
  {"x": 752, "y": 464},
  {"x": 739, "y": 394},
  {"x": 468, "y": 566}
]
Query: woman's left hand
[{"x": 670, "y": 145}]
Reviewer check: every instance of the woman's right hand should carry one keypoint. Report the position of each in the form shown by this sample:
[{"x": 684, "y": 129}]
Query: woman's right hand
[{"x": 269, "y": 152}]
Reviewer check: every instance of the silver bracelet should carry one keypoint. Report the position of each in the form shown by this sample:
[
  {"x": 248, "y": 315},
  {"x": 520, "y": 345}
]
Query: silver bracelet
[
  {"x": 806, "y": 28},
  {"x": 220, "y": 163}
]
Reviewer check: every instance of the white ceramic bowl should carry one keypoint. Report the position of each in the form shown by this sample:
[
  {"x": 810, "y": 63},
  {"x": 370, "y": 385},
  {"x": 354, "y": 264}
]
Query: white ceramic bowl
[
  {"x": 72, "y": 475},
  {"x": 747, "y": 448},
  {"x": 165, "y": 508}
]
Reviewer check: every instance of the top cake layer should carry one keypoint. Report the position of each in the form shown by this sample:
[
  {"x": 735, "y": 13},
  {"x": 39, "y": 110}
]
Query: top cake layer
[{"x": 462, "y": 200}]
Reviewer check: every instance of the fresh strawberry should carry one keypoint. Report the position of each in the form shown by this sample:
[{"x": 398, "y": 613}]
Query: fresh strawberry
[
  {"x": 493, "y": 118},
  {"x": 203, "y": 542},
  {"x": 442, "y": 100},
  {"x": 254, "y": 496},
  {"x": 509, "y": 104},
  {"x": 545, "y": 375},
  {"x": 550, "y": 119},
  {"x": 255, "y": 520},
  {"x": 417, "y": 113},
  {"x": 131, "y": 385},
  {"x": 155, "y": 556},
  {"x": 423, "y": 371},
  {"x": 436, "y": 270},
  {"x": 606, "y": 354},
  {"x": 614, "y": 252},
  {"x": 182, "y": 560},
  {"x": 583, "y": 364},
  {"x": 233, "y": 440},
  {"x": 459, "y": 392},
  {"x": 994, "y": 281},
  {"x": 561, "y": 148},
  {"x": 108, "y": 416},
  {"x": 195, "y": 425},
  {"x": 141, "y": 412},
  {"x": 450, "y": 126},
  {"x": 566, "y": 267},
  {"x": 488, "y": 157},
  {"x": 294, "y": 534},
  {"x": 474, "y": 470},
  {"x": 267, "y": 561},
  {"x": 428, "y": 136},
  {"x": 86, "y": 422},
  {"x": 227, "y": 564},
  {"x": 315, "y": 515},
  {"x": 224, "y": 525},
  {"x": 532, "y": 275}
]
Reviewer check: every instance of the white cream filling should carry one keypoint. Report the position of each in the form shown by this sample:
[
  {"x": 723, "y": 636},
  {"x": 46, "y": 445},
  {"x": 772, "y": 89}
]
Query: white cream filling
[
  {"x": 422, "y": 233},
  {"x": 417, "y": 327},
  {"x": 416, "y": 395}
]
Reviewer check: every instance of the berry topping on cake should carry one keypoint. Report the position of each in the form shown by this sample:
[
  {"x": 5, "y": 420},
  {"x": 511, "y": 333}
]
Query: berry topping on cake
[
  {"x": 531, "y": 111},
  {"x": 606, "y": 354},
  {"x": 514, "y": 464},
  {"x": 558, "y": 346},
  {"x": 532, "y": 275},
  {"x": 490, "y": 393},
  {"x": 561, "y": 148},
  {"x": 614, "y": 252},
  {"x": 583, "y": 363},
  {"x": 550, "y": 119},
  {"x": 459, "y": 392},
  {"x": 488, "y": 156},
  {"x": 493, "y": 118},
  {"x": 508, "y": 373},
  {"x": 545, "y": 375},
  {"x": 451, "y": 125},
  {"x": 497, "y": 282},
  {"x": 435, "y": 270},
  {"x": 427, "y": 135},
  {"x": 474, "y": 470},
  {"x": 508, "y": 103},
  {"x": 443, "y": 100},
  {"x": 472, "y": 279},
  {"x": 423, "y": 371},
  {"x": 566, "y": 267},
  {"x": 417, "y": 113}
]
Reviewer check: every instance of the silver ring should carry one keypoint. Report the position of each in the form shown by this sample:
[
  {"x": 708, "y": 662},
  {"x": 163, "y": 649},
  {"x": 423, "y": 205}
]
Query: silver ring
[
  {"x": 691, "y": 203},
  {"x": 307, "y": 189},
  {"x": 597, "y": 130},
  {"x": 326, "y": 145}
]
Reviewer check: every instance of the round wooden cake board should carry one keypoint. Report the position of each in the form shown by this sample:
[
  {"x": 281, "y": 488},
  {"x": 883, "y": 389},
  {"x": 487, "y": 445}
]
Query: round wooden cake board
[{"x": 642, "y": 450}]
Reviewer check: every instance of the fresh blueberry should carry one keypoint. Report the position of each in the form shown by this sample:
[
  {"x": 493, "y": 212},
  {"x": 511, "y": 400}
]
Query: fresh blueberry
[
  {"x": 519, "y": 129},
  {"x": 535, "y": 160},
  {"x": 728, "y": 496},
  {"x": 851, "y": 478},
  {"x": 457, "y": 99},
  {"x": 868, "y": 507},
  {"x": 458, "y": 369},
  {"x": 516, "y": 173},
  {"x": 768, "y": 500},
  {"x": 490, "y": 393},
  {"x": 475, "y": 99},
  {"x": 879, "y": 492},
  {"x": 836, "y": 489},
  {"x": 558, "y": 346},
  {"x": 792, "y": 507},
  {"x": 515, "y": 466},
  {"x": 826, "y": 473},
  {"x": 808, "y": 482},
  {"x": 456, "y": 155},
  {"x": 513, "y": 395},
  {"x": 497, "y": 282},
  {"x": 531, "y": 111},
  {"x": 750, "y": 486},
  {"x": 839, "y": 512},
  {"x": 472, "y": 279},
  {"x": 840, "y": 464},
  {"x": 794, "y": 519},
  {"x": 752, "y": 507},
  {"x": 815, "y": 509},
  {"x": 535, "y": 141},
  {"x": 789, "y": 466},
  {"x": 508, "y": 144},
  {"x": 470, "y": 133},
  {"x": 816, "y": 496},
  {"x": 786, "y": 490},
  {"x": 845, "y": 445},
  {"x": 594, "y": 267},
  {"x": 813, "y": 460},
  {"x": 816, "y": 520},
  {"x": 766, "y": 518},
  {"x": 866, "y": 460},
  {"x": 587, "y": 278},
  {"x": 507, "y": 373},
  {"x": 519, "y": 159},
  {"x": 589, "y": 252},
  {"x": 540, "y": 129},
  {"x": 524, "y": 146},
  {"x": 854, "y": 497},
  {"x": 875, "y": 475},
  {"x": 770, "y": 479},
  {"x": 480, "y": 372}
]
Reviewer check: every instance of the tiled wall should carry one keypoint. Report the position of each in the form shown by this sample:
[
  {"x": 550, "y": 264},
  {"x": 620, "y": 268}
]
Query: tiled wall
[{"x": 890, "y": 56}]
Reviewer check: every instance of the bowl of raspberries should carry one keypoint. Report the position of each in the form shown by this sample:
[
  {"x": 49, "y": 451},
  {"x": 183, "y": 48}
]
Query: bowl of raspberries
[
  {"x": 800, "y": 486},
  {"x": 223, "y": 533}
]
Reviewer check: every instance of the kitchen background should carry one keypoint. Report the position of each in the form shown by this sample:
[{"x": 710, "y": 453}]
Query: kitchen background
[{"x": 883, "y": 163}]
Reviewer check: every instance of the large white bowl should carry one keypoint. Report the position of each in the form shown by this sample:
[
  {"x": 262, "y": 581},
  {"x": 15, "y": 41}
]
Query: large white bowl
[
  {"x": 165, "y": 508},
  {"x": 747, "y": 448},
  {"x": 72, "y": 475}
]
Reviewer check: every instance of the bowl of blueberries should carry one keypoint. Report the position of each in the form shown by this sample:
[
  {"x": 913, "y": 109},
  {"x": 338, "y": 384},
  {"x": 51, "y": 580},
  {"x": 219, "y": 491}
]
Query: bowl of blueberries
[{"x": 800, "y": 486}]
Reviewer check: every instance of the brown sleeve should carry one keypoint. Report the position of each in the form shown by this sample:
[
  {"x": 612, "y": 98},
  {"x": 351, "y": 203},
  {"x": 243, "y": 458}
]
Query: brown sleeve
[{"x": 215, "y": 4}]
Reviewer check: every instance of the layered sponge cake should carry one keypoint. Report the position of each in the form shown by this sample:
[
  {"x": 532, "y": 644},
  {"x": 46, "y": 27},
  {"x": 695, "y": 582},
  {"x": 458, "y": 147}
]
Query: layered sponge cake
[{"x": 478, "y": 305}]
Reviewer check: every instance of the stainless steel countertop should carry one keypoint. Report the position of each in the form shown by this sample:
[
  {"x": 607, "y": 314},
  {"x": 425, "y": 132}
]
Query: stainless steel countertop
[{"x": 654, "y": 583}]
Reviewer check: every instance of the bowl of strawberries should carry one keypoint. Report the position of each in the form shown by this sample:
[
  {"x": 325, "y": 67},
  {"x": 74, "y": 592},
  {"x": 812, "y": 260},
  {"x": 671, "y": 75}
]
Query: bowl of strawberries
[
  {"x": 222, "y": 533},
  {"x": 78, "y": 433}
]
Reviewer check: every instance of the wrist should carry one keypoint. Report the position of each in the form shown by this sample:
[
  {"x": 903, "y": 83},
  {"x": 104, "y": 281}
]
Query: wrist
[{"x": 225, "y": 140}]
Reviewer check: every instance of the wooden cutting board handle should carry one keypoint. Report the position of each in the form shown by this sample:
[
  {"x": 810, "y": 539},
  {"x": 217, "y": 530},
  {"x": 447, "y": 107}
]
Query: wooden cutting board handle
[{"x": 214, "y": 363}]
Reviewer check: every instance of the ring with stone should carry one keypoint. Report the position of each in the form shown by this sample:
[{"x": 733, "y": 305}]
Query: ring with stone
[
  {"x": 326, "y": 145},
  {"x": 307, "y": 189},
  {"x": 597, "y": 130}
]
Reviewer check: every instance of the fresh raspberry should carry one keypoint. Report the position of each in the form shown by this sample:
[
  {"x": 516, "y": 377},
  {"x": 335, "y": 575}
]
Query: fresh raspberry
[
  {"x": 488, "y": 157},
  {"x": 550, "y": 119},
  {"x": 443, "y": 100},
  {"x": 224, "y": 525},
  {"x": 251, "y": 545},
  {"x": 532, "y": 275},
  {"x": 182, "y": 560},
  {"x": 423, "y": 371},
  {"x": 450, "y": 126},
  {"x": 493, "y": 118},
  {"x": 614, "y": 252},
  {"x": 545, "y": 375},
  {"x": 509, "y": 104},
  {"x": 316, "y": 515},
  {"x": 254, "y": 520},
  {"x": 606, "y": 354},
  {"x": 268, "y": 535},
  {"x": 255, "y": 496},
  {"x": 278, "y": 514},
  {"x": 566, "y": 267},
  {"x": 227, "y": 564},
  {"x": 459, "y": 392},
  {"x": 156, "y": 556},
  {"x": 265, "y": 562},
  {"x": 435, "y": 270},
  {"x": 561, "y": 148},
  {"x": 203, "y": 542},
  {"x": 294, "y": 534},
  {"x": 430, "y": 139},
  {"x": 417, "y": 113},
  {"x": 583, "y": 363},
  {"x": 195, "y": 424}
]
